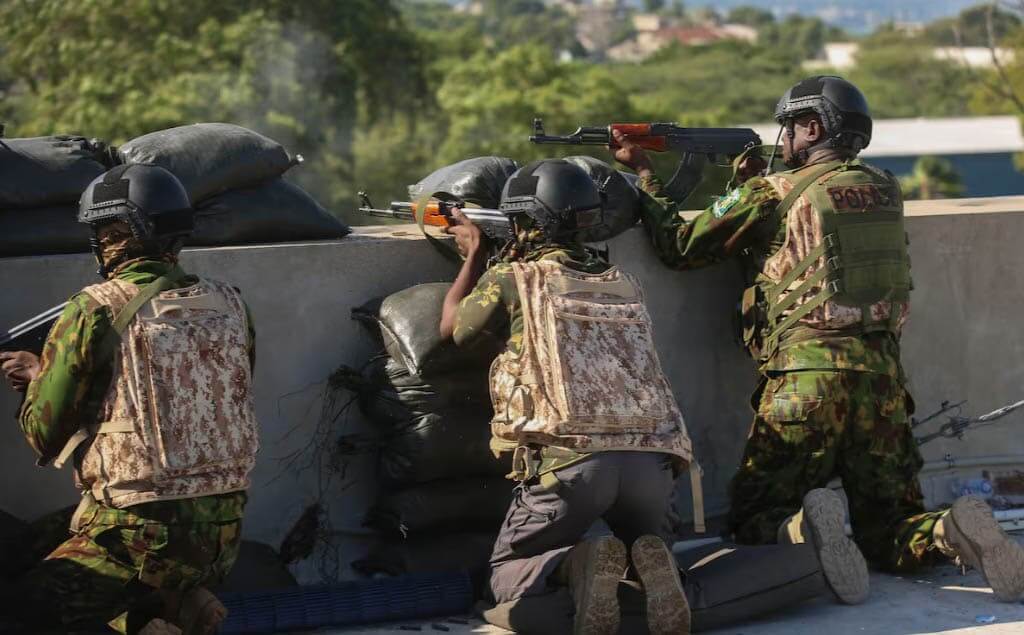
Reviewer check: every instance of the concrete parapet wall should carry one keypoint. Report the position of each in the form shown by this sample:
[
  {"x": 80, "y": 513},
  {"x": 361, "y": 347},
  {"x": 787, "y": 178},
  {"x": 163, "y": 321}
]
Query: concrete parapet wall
[{"x": 963, "y": 342}]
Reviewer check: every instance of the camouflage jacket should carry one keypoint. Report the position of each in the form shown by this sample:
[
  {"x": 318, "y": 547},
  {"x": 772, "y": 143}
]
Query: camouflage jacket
[
  {"x": 492, "y": 309},
  {"x": 742, "y": 224},
  {"x": 72, "y": 383}
]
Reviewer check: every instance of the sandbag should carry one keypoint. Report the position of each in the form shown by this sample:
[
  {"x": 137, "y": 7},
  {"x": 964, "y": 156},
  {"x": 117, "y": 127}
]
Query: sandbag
[
  {"x": 258, "y": 568},
  {"x": 48, "y": 171},
  {"x": 409, "y": 321},
  {"x": 452, "y": 443},
  {"x": 399, "y": 396},
  {"x": 622, "y": 203},
  {"x": 466, "y": 503},
  {"x": 478, "y": 180},
  {"x": 209, "y": 158},
  {"x": 271, "y": 212},
  {"x": 47, "y": 230},
  {"x": 724, "y": 584},
  {"x": 464, "y": 551}
]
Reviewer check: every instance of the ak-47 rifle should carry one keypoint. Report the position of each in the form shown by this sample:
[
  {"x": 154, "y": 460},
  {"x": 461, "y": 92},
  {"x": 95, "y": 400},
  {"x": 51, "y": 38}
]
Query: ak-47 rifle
[
  {"x": 31, "y": 334},
  {"x": 695, "y": 146},
  {"x": 438, "y": 213}
]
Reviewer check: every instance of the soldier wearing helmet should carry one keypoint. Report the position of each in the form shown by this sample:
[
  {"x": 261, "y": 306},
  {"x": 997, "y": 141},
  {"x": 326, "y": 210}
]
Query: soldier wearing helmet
[
  {"x": 144, "y": 385},
  {"x": 580, "y": 401},
  {"x": 828, "y": 290}
]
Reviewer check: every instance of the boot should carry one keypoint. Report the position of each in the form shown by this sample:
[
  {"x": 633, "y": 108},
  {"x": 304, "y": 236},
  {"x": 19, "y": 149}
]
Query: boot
[
  {"x": 668, "y": 612},
  {"x": 201, "y": 612},
  {"x": 970, "y": 535},
  {"x": 159, "y": 627},
  {"x": 592, "y": 571},
  {"x": 821, "y": 522}
]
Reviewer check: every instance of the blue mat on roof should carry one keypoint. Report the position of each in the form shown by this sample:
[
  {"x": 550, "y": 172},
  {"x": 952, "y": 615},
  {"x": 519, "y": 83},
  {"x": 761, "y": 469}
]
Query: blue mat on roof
[{"x": 408, "y": 597}]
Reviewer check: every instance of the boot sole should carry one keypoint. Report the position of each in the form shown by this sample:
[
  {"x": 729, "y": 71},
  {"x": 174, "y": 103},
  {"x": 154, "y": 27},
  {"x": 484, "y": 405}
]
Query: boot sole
[
  {"x": 1002, "y": 559},
  {"x": 842, "y": 563},
  {"x": 598, "y": 609},
  {"x": 668, "y": 611}
]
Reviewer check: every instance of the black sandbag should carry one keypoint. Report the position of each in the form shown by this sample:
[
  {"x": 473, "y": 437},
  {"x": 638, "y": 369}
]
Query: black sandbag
[
  {"x": 622, "y": 203},
  {"x": 47, "y": 230},
  {"x": 478, "y": 180},
  {"x": 409, "y": 321},
  {"x": 271, "y": 212},
  {"x": 210, "y": 158},
  {"x": 12, "y": 536},
  {"x": 467, "y": 503},
  {"x": 258, "y": 568},
  {"x": 48, "y": 171},
  {"x": 448, "y": 444},
  {"x": 464, "y": 551},
  {"x": 400, "y": 396}
]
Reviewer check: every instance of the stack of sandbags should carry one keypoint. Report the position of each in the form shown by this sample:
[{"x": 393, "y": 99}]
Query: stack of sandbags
[
  {"x": 233, "y": 177},
  {"x": 480, "y": 181},
  {"x": 41, "y": 179},
  {"x": 443, "y": 492}
]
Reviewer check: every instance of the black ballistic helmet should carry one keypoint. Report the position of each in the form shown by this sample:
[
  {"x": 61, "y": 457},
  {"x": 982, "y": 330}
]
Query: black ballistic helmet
[
  {"x": 559, "y": 197},
  {"x": 840, "y": 105},
  {"x": 149, "y": 199}
]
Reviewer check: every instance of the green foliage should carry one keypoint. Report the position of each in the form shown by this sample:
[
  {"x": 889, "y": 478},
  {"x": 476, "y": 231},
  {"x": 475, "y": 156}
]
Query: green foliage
[
  {"x": 972, "y": 27},
  {"x": 930, "y": 178},
  {"x": 801, "y": 35},
  {"x": 901, "y": 78},
  {"x": 751, "y": 16}
]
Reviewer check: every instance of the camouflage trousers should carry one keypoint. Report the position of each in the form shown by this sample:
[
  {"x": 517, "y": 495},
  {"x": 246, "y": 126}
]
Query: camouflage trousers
[
  {"x": 814, "y": 425},
  {"x": 109, "y": 571}
]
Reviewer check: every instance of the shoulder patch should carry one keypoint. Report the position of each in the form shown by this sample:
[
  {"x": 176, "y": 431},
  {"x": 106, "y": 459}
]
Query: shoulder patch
[{"x": 725, "y": 203}]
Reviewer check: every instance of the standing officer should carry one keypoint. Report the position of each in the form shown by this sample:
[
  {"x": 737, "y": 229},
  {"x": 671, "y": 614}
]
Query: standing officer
[
  {"x": 580, "y": 398},
  {"x": 145, "y": 384},
  {"x": 825, "y": 252}
]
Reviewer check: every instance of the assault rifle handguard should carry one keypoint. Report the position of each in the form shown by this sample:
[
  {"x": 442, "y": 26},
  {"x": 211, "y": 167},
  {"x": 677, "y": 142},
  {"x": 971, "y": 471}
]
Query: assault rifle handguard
[
  {"x": 695, "y": 146},
  {"x": 31, "y": 334},
  {"x": 438, "y": 213}
]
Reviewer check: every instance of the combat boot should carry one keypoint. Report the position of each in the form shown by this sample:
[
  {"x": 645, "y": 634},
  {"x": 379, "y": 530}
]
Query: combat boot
[
  {"x": 821, "y": 522},
  {"x": 592, "y": 571},
  {"x": 668, "y": 611},
  {"x": 159, "y": 627},
  {"x": 970, "y": 535}
]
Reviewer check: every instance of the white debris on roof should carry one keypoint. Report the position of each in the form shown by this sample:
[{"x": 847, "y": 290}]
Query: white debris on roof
[{"x": 938, "y": 136}]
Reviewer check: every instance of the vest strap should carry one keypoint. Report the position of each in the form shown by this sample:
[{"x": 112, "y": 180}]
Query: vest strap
[{"x": 697, "y": 493}]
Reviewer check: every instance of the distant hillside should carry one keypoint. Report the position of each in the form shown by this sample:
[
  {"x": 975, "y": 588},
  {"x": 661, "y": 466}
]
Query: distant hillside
[{"x": 854, "y": 15}]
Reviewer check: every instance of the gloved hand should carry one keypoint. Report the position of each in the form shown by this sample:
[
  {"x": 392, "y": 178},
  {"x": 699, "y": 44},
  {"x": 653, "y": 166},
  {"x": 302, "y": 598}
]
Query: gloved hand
[{"x": 20, "y": 368}]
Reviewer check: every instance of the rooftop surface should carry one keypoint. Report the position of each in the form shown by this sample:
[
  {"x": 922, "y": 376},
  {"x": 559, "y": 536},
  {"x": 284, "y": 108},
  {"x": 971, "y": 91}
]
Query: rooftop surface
[{"x": 940, "y": 601}]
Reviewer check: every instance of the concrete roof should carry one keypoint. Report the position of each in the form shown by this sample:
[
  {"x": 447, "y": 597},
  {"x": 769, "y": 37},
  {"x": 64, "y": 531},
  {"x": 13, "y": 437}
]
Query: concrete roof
[
  {"x": 938, "y": 136},
  {"x": 940, "y": 601}
]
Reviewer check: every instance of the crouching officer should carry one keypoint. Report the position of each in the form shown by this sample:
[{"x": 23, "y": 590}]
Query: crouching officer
[
  {"x": 145, "y": 384},
  {"x": 580, "y": 398},
  {"x": 825, "y": 252}
]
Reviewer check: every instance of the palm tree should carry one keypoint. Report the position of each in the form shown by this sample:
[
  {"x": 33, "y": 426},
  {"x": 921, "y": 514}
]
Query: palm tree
[{"x": 932, "y": 177}]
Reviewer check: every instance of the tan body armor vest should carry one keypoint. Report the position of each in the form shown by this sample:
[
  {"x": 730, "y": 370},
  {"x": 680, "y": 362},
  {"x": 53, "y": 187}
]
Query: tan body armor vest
[
  {"x": 177, "y": 420},
  {"x": 843, "y": 265},
  {"x": 588, "y": 377}
]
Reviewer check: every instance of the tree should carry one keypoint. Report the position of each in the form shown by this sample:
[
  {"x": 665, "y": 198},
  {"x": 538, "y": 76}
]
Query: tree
[
  {"x": 653, "y": 6},
  {"x": 901, "y": 77},
  {"x": 930, "y": 178},
  {"x": 298, "y": 72},
  {"x": 971, "y": 27},
  {"x": 750, "y": 16}
]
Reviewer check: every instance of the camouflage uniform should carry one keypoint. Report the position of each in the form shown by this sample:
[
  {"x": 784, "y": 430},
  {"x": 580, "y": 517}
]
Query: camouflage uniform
[
  {"x": 828, "y": 403},
  {"x": 631, "y": 490},
  {"x": 117, "y": 557}
]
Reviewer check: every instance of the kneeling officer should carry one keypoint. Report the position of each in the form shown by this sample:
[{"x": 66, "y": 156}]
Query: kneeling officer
[
  {"x": 145, "y": 383},
  {"x": 580, "y": 398}
]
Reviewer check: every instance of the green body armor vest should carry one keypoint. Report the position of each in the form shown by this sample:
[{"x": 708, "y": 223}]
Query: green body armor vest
[{"x": 864, "y": 245}]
